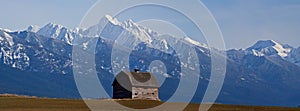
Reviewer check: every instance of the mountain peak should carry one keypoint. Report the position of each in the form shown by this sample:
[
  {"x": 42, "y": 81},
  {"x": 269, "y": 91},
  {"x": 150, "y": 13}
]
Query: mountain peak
[
  {"x": 33, "y": 28},
  {"x": 6, "y": 30},
  {"x": 195, "y": 42},
  {"x": 56, "y": 31},
  {"x": 108, "y": 16},
  {"x": 270, "y": 48},
  {"x": 263, "y": 44},
  {"x": 112, "y": 20},
  {"x": 53, "y": 25}
]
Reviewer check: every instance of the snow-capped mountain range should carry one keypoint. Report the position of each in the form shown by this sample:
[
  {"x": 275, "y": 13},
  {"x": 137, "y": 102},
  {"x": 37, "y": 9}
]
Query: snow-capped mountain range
[
  {"x": 273, "y": 48},
  {"x": 38, "y": 57}
]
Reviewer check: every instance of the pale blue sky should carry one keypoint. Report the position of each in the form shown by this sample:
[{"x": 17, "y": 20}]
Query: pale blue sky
[{"x": 242, "y": 22}]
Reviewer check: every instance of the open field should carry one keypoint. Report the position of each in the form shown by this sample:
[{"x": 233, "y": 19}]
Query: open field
[
  {"x": 15, "y": 103},
  {"x": 40, "y": 104}
]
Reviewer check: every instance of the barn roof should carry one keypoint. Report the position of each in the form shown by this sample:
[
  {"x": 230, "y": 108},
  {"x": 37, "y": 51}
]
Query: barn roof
[{"x": 138, "y": 79}]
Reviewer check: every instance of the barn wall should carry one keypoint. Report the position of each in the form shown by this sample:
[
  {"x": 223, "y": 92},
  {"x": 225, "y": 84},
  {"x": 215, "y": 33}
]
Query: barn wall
[
  {"x": 145, "y": 93},
  {"x": 120, "y": 92}
]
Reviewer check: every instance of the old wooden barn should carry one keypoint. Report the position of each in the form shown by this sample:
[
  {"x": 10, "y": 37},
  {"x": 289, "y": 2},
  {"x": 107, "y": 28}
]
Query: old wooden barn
[{"x": 135, "y": 85}]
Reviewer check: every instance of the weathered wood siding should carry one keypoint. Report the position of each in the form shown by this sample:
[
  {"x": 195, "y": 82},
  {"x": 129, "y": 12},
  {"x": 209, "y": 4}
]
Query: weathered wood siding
[{"x": 145, "y": 93}]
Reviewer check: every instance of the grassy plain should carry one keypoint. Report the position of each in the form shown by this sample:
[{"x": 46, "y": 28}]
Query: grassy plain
[{"x": 18, "y": 103}]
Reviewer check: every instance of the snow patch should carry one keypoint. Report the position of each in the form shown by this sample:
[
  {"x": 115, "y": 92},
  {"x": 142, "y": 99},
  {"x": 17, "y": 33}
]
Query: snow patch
[
  {"x": 294, "y": 56},
  {"x": 112, "y": 20},
  {"x": 33, "y": 28},
  {"x": 243, "y": 79},
  {"x": 269, "y": 48},
  {"x": 166, "y": 75},
  {"x": 85, "y": 45},
  {"x": 283, "y": 52},
  {"x": 1, "y": 38},
  {"x": 7, "y": 37},
  {"x": 56, "y": 32},
  {"x": 6, "y": 30},
  {"x": 257, "y": 53},
  {"x": 195, "y": 42}
]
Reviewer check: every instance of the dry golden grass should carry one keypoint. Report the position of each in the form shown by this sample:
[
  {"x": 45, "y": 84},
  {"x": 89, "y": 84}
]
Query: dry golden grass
[
  {"x": 40, "y": 104},
  {"x": 17, "y": 103}
]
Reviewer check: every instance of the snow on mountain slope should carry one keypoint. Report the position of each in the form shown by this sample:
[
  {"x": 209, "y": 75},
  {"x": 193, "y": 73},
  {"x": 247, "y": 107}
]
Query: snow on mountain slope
[
  {"x": 57, "y": 32},
  {"x": 107, "y": 22},
  {"x": 112, "y": 20},
  {"x": 6, "y": 30},
  {"x": 5, "y": 36},
  {"x": 294, "y": 56},
  {"x": 195, "y": 42},
  {"x": 139, "y": 31},
  {"x": 126, "y": 33},
  {"x": 33, "y": 28},
  {"x": 11, "y": 53},
  {"x": 111, "y": 28},
  {"x": 269, "y": 48}
]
